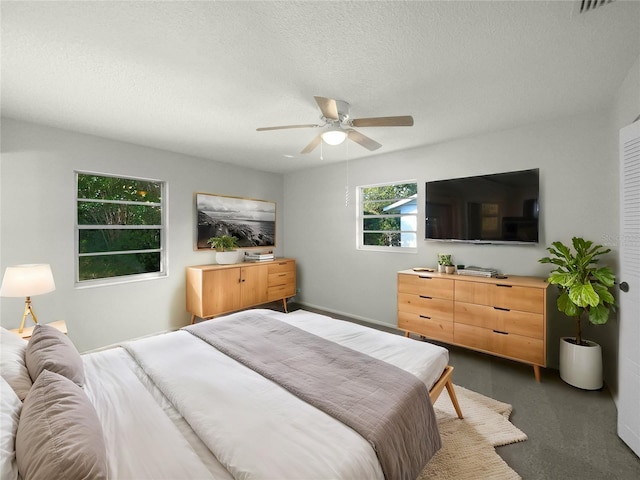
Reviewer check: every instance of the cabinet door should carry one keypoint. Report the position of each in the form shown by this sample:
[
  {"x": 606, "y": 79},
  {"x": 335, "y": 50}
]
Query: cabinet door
[
  {"x": 220, "y": 291},
  {"x": 253, "y": 285}
]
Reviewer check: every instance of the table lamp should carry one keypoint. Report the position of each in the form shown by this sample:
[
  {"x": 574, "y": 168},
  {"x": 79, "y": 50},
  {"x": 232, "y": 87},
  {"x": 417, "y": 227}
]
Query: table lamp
[{"x": 26, "y": 281}]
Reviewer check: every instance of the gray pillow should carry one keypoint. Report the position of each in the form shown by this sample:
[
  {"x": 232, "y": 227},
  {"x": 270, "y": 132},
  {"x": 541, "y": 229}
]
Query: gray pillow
[
  {"x": 59, "y": 434},
  {"x": 50, "y": 349}
]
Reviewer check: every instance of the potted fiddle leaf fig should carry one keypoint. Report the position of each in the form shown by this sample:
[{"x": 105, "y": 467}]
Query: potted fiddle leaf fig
[
  {"x": 585, "y": 295},
  {"x": 225, "y": 247}
]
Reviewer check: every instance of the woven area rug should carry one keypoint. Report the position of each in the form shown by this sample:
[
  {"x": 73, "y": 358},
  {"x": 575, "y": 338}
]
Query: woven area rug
[{"x": 468, "y": 451}]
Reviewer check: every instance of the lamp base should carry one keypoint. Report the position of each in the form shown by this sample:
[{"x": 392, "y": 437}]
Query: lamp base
[{"x": 28, "y": 310}]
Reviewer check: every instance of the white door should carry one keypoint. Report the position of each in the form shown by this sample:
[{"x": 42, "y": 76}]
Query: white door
[{"x": 629, "y": 294}]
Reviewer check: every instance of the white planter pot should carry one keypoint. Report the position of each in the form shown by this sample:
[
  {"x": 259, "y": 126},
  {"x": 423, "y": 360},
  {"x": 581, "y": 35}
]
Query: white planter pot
[
  {"x": 581, "y": 366},
  {"x": 227, "y": 258}
]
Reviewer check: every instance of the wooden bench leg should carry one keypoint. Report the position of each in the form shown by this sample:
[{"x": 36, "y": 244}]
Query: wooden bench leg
[
  {"x": 445, "y": 382},
  {"x": 454, "y": 399}
]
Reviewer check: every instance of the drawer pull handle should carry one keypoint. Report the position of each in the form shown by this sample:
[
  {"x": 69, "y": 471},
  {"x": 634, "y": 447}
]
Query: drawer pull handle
[
  {"x": 424, "y": 316},
  {"x": 501, "y": 333},
  {"x": 424, "y": 296},
  {"x": 425, "y": 278},
  {"x": 282, "y": 275},
  {"x": 503, "y": 285},
  {"x": 503, "y": 309}
]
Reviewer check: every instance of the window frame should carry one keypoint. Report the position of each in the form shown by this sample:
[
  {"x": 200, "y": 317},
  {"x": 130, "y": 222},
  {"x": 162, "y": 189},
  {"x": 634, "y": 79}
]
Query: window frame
[
  {"x": 360, "y": 219},
  {"x": 162, "y": 228}
]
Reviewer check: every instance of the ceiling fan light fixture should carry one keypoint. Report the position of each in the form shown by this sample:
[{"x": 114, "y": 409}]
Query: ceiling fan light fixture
[{"x": 334, "y": 136}]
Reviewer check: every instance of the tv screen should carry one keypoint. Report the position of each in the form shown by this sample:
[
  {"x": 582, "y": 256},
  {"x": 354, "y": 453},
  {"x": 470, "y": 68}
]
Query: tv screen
[{"x": 495, "y": 208}]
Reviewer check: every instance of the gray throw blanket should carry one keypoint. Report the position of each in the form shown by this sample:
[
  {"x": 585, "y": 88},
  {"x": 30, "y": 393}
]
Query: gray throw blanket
[{"x": 387, "y": 406}]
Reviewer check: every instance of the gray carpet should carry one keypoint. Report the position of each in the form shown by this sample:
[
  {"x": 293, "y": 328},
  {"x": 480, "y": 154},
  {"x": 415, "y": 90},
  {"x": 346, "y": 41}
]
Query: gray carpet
[{"x": 572, "y": 432}]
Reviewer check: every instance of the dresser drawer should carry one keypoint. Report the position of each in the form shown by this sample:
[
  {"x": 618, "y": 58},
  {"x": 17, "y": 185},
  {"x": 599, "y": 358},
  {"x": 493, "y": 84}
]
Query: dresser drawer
[
  {"x": 503, "y": 320},
  {"x": 283, "y": 266},
  {"x": 281, "y": 291},
  {"x": 423, "y": 325},
  {"x": 516, "y": 347},
  {"x": 424, "y": 285},
  {"x": 281, "y": 278},
  {"x": 425, "y": 305},
  {"x": 513, "y": 297}
]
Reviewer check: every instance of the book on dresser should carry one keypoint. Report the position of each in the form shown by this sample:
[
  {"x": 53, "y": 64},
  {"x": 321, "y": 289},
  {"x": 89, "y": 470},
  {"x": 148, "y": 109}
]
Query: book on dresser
[
  {"x": 258, "y": 257},
  {"x": 503, "y": 316},
  {"x": 478, "y": 271}
]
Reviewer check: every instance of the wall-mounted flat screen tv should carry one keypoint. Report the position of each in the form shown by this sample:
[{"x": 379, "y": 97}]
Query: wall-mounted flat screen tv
[{"x": 495, "y": 208}]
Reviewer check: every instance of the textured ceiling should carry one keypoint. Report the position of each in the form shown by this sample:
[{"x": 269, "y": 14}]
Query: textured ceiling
[{"x": 200, "y": 77}]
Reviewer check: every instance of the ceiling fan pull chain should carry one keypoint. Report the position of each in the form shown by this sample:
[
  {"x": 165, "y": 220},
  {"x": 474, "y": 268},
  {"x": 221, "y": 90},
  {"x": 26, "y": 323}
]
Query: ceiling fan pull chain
[{"x": 346, "y": 187}]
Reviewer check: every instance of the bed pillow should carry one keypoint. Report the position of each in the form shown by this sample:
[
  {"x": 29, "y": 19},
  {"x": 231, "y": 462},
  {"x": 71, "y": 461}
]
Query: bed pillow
[
  {"x": 59, "y": 434},
  {"x": 10, "y": 406},
  {"x": 50, "y": 349},
  {"x": 12, "y": 362}
]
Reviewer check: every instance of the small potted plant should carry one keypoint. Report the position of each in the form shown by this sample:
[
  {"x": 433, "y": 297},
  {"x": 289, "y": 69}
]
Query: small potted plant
[
  {"x": 444, "y": 261},
  {"x": 225, "y": 247},
  {"x": 584, "y": 294}
]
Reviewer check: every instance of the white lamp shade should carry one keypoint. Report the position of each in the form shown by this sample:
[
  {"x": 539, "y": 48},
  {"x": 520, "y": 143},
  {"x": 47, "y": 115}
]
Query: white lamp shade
[
  {"x": 27, "y": 280},
  {"x": 334, "y": 137}
]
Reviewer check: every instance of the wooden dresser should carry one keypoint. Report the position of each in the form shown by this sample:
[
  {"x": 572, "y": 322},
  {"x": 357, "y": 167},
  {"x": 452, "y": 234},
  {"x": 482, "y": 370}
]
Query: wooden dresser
[
  {"x": 502, "y": 317},
  {"x": 217, "y": 289}
]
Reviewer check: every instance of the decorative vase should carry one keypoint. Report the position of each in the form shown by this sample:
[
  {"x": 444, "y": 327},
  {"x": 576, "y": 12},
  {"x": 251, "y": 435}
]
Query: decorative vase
[
  {"x": 449, "y": 268},
  {"x": 227, "y": 258},
  {"x": 440, "y": 268},
  {"x": 581, "y": 365}
]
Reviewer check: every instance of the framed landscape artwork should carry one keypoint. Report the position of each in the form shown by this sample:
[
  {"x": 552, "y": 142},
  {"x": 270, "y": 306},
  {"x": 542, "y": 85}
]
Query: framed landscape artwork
[{"x": 252, "y": 222}]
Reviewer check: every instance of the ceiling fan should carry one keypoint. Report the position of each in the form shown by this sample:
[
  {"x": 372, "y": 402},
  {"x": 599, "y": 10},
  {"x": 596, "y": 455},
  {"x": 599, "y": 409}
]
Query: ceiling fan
[{"x": 337, "y": 125}]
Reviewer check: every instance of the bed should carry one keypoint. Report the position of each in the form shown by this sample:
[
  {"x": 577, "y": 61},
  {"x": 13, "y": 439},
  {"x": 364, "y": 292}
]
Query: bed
[{"x": 174, "y": 405}]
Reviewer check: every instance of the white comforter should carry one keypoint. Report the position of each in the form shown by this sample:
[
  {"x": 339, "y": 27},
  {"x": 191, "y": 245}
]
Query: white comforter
[{"x": 246, "y": 425}]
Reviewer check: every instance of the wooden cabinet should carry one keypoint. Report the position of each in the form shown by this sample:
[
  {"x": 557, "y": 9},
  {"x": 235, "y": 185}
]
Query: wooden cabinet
[
  {"x": 503, "y": 317},
  {"x": 216, "y": 289}
]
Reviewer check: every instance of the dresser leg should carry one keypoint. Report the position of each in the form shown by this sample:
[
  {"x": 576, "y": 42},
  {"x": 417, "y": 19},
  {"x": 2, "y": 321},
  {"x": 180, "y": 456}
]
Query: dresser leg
[
  {"x": 193, "y": 319},
  {"x": 536, "y": 372},
  {"x": 284, "y": 305}
]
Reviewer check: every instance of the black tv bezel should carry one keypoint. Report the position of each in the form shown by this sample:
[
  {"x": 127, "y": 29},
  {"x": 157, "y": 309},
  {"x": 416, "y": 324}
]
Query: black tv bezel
[{"x": 482, "y": 241}]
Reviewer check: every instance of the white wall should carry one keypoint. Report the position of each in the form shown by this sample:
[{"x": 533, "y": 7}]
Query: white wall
[
  {"x": 578, "y": 197},
  {"x": 37, "y": 201}
]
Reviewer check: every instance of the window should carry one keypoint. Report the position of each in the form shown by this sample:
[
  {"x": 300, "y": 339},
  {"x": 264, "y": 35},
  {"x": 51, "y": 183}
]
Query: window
[
  {"x": 120, "y": 229},
  {"x": 388, "y": 217}
]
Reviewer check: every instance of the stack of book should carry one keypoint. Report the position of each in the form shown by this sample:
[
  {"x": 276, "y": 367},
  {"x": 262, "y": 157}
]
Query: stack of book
[
  {"x": 258, "y": 257},
  {"x": 478, "y": 271}
]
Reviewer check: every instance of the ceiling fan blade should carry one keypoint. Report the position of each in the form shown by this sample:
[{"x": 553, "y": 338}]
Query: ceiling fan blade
[
  {"x": 314, "y": 143},
  {"x": 328, "y": 107},
  {"x": 363, "y": 140},
  {"x": 283, "y": 127},
  {"x": 402, "y": 121}
]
